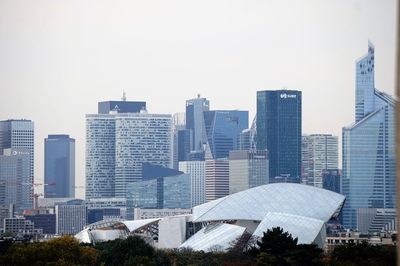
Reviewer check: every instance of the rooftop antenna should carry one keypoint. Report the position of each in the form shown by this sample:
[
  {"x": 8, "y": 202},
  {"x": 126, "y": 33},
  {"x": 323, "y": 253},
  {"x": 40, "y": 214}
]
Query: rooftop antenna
[
  {"x": 198, "y": 95},
  {"x": 123, "y": 96}
]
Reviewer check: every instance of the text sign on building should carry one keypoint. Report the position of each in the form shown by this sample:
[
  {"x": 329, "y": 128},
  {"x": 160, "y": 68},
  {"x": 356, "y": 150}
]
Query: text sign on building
[{"x": 285, "y": 95}]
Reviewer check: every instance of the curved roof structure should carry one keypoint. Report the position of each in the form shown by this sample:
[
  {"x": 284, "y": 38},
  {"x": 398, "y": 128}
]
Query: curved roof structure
[
  {"x": 255, "y": 203},
  {"x": 214, "y": 237},
  {"x": 305, "y": 229}
]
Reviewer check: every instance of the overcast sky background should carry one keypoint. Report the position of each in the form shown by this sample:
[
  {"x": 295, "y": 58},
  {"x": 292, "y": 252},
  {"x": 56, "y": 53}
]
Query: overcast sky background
[{"x": 59, "y": 58}]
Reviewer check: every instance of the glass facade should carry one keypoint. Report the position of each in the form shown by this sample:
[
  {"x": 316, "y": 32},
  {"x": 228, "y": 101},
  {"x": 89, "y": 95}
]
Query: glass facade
[
  {"x": 279, "y": 132},
  {"x": 195, "y": 121},
  {"x": 369, "y": 176},
  {"x": 15, "y": 179},
  {"x": 223, "y": 129},
  {"x": 170, "y": 192},
  {"x": 59, "y": 166},
  {"x": 19, "y": 135}
]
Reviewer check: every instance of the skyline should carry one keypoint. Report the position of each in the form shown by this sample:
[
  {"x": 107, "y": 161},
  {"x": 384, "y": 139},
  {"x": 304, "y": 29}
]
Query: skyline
[{"x": 49, "y": 55}]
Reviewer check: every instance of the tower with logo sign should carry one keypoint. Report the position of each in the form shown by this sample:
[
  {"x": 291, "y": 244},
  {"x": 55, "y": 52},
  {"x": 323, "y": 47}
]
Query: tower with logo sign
[{"x": 279, "y": 132}]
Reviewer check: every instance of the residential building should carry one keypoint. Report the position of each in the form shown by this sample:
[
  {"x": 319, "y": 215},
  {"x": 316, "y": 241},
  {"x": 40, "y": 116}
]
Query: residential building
[
  {"x": 369, "y": 161},
  {"x": 247, "y": 169},
  {"x": 59, "y": 166},
  {"x": 319, "y": 153},
  {"x": 197, "y": 172},
  {"x": 217, "y": 179},
  {"x": 279, "y": 131}
]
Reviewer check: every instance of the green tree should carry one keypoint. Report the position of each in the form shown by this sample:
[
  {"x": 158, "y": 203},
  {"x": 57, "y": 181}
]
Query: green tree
[
  {"x": 60, "y": 251},
  {"x": 363, "y": 254},
  {"x": 122, "y": 251}
]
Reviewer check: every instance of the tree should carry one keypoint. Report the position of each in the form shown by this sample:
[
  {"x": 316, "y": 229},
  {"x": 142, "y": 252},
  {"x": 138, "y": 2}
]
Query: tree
[
  {"x": 122, "y": 251},
  {"x": 277, "y": 247},
  {"x": 59, "y": 251}
]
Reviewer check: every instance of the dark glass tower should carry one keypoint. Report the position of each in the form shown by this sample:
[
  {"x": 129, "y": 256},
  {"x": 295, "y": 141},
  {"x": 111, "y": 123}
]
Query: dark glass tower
[
  {"x": 223, "y": 128},
  {"x": 59, "y": 166},
  {"x": 279, "y": 131}
]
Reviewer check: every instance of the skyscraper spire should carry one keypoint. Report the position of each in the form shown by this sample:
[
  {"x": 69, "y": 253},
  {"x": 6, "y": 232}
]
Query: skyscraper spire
[{"x": 123, "y": 96}]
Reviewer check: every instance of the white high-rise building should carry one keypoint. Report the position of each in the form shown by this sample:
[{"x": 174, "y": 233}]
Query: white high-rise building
[
  {"x": 247, "y": 169},
  {"x": 197, "y": 171},
  {"x": 217, "y": 179},
  {"x": 319, "y": 153},
  {"x": 116, "y": 146}
]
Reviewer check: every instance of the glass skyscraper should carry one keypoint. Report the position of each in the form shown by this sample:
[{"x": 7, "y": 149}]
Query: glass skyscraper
[
  {"x": 19, "y": 136},
  {"x": 279, "y": 132},
  {"x": 59, "y": 166},
  {"x": 369, "y": 166},
  {"x": 195, "y": 122},
  {"x": 223, "y": 128}
]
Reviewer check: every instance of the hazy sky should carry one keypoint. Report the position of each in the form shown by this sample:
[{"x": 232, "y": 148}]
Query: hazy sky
[{"x": 59, "y": 58}]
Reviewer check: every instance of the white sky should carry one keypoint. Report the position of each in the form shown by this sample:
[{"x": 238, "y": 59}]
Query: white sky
[{"x": 59, "y": 58}]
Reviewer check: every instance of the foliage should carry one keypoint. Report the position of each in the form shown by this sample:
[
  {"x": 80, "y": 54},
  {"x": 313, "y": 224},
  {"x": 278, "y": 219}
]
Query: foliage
[
  {"x": 60, "y": 251},
  {"x": 277, "y": 247},
  {"x": 131, "y": 251},
  {"x": 363, "y": 254}
]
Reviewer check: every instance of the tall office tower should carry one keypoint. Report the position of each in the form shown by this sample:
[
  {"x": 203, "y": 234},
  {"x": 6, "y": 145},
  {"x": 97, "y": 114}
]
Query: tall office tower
[
  {"x": 197, "y": 172},
  {"x": 15, "y": 179},
  {"x": 217, "y": 179},
  {"x": 331, "y": 180},
  {"x": 59, "y": 166},
  {"x": 279, "y": 132},
  {"x": 369, "y": 162},
  {"x": 223, "y": 128},
  {"x": 319, "y": 153},
  {"x": 244, "y": 140},
  {"x": 140, "y": 138},
  {"x": 181, "y": 142},
  {"x": 19, "y": 135},
  {"x": 247, "y": 169},
  {"x": 116, "y": 146},
  {"x": 195, "y": 121},
  {"x": 100, "y": 156}
]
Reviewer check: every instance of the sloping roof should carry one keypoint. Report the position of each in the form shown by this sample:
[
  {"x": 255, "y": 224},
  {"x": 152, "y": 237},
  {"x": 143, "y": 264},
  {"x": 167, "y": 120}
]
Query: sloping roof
[
  {"x": 304, "y": 228},
  {"x": 255, "y": 203},
  {"x": 214, "y": 237}
]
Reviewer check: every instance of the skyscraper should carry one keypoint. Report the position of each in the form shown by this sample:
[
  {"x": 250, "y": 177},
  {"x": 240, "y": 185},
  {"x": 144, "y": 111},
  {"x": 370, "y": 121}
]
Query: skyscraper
[
  {"x": 223, "y": 128},
  {"x": 19, "y": 135},
  {"x": 279, "y": 132},
  {"x": 195, "y": 121},
  {"x": 247, "y": 169},
  {"x": 59, "y": 166},
  {"x": 369, "y": 165},
  {"x": 197, "y": 172},
  {"x": 217, "y": 179},
  {"x": 319, "y": 154},
  {"x": 15, "y": 186},
  {"x": 117, "y": 144}
]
